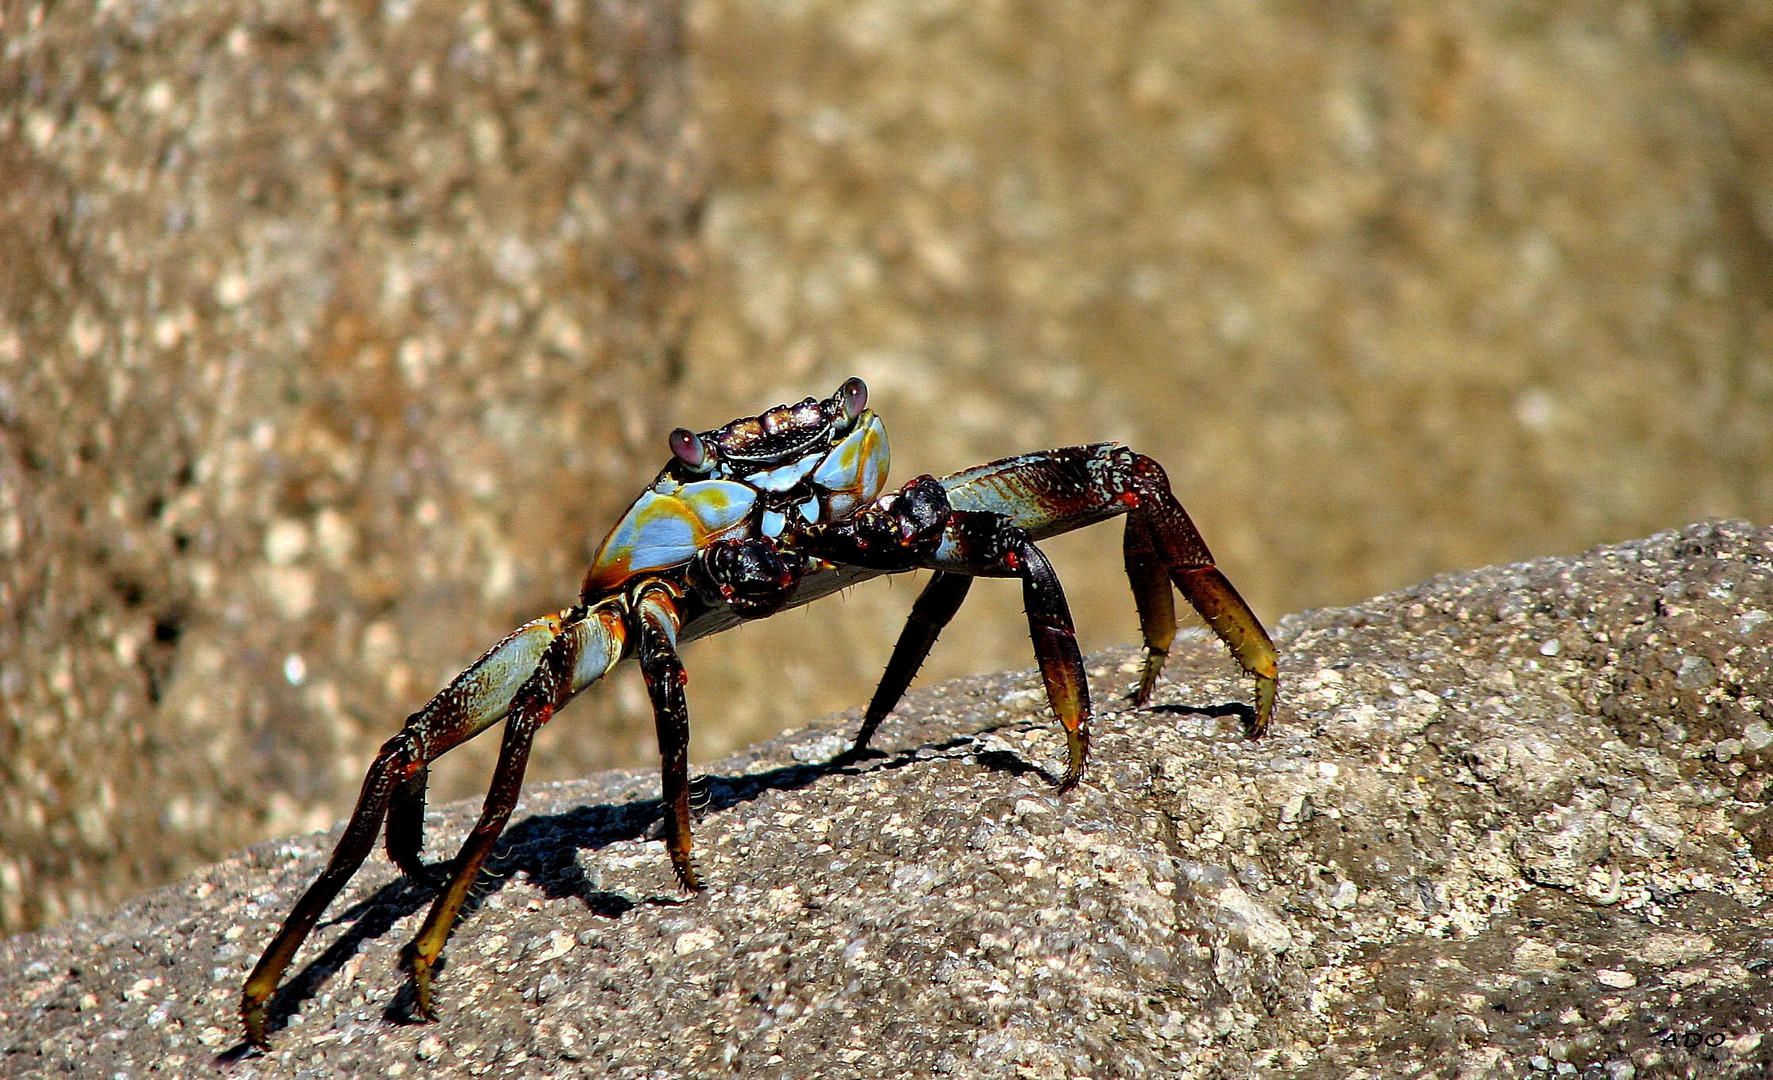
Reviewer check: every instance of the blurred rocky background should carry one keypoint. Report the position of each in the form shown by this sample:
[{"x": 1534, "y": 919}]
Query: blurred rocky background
[{"x": 333, "y": 336}]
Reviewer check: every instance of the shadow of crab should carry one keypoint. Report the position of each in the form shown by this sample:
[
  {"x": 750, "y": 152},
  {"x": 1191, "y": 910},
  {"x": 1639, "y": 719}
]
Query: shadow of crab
[{"x": 545, "y": 850}]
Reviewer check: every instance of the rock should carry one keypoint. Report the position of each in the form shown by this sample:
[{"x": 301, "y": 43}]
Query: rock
[
  {"x": 1455, "y": 851},
  {"x": 309, "y": 315}
]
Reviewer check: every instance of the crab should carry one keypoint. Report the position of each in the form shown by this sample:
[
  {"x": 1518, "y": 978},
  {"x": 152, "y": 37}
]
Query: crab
[{"x": 766, "y": 513}]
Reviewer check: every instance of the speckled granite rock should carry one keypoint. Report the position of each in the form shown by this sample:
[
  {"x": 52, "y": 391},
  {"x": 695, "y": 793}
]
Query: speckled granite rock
[
  {"x": 309, "y": 314},
  {"x": 1510, "y": 822}
]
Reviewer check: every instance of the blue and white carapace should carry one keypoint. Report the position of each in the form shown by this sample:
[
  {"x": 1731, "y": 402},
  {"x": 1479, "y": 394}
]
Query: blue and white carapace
[{"x": 793, "y": 466}]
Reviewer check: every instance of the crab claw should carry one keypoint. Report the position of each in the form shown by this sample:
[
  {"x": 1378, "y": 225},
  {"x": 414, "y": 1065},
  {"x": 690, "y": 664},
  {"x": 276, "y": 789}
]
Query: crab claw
[{"x": 756, "y": 578}]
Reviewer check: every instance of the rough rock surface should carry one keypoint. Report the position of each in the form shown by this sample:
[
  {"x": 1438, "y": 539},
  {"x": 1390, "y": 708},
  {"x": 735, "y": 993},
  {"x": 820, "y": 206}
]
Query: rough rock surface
[{"x": 1510, "y": 822}]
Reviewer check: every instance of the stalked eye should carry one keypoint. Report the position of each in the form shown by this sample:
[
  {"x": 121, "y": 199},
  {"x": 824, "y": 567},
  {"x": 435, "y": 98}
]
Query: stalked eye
[
  {"x": 855, "y": 398},
  {"x": 688, "y": 447}
]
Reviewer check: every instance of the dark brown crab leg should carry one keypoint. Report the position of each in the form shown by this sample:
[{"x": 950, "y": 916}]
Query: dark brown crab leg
[
  {"x": 547, "y": 689},
  {"x": 395, "y": 759},
  {"x": 1161, "y": 537},
  {"x": 934, "y": 607},
  {"x": 665, "y": 678},
  {"x": 917, "y": 527},
  {"x": 406, "y": 827},
  {"x": 1155, "y": 600},
  {"x": 1056, "y": 491},
  {"x": 989, "y": 545},
  {"x": 473, "y": 701}
]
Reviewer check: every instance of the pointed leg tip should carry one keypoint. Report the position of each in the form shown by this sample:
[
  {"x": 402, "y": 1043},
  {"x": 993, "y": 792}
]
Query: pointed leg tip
[
  {"x": 424, "y": 1005},
  {"x": 1155, "y": 659},
  {"x": 688, "y": 879},
  {"x": 1267, "y": 689},
  {"x": 1080, "y": 755},
  {"x": 253, "y": 1019}
]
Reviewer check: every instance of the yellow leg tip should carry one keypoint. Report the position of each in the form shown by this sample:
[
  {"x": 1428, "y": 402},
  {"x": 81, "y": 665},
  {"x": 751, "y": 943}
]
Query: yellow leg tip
[
  {"x": 252, "y": 1015},
  {"x": 419, "y": 966},
  {"x": 1267, "y": 689},
  {"x": 1077, "y": 745}
]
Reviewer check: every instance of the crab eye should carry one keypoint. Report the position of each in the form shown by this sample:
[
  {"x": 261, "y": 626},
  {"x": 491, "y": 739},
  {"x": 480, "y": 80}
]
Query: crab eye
[
  {"x": 855, "y": 398},
  {"x": 688, "y": 447}
]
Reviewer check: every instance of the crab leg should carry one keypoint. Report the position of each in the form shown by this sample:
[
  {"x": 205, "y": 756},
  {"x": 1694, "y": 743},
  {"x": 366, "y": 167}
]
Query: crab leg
[
  {"x": 395, "y": 759},
  {"x": 1059, "y": 490},
  {"x": 917, "y": 527},
  {"x": 659, "y": 665},
  {"x": 393, "y": 790},
  {"x": 989, "y": 545},
  {"x": 1154, "y": 600},
  {"x": 406, "y": 827},
  {"x": 934, "y": 607},
  {"x": 561, "y": 673},
  {"x": 1159, "y": 529}
]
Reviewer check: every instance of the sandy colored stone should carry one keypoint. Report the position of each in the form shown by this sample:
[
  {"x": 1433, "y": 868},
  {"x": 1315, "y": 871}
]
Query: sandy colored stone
[
  {"x": 326, "y": 334},
  {"x": 1341, "y": 898}
]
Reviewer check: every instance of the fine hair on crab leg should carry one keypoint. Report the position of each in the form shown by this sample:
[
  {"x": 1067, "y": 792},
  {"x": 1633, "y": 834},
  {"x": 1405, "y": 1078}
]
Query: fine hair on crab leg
[{"x": 665, "y": 680}]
